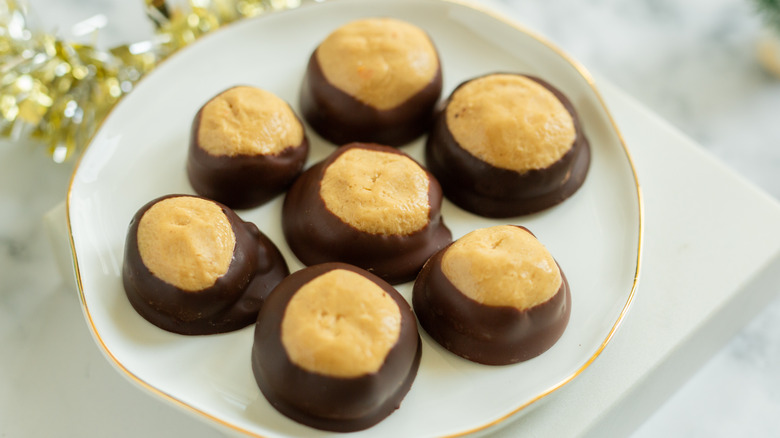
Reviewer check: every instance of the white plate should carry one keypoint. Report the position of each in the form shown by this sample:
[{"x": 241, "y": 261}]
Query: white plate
[{"x": 139, "y": 154}]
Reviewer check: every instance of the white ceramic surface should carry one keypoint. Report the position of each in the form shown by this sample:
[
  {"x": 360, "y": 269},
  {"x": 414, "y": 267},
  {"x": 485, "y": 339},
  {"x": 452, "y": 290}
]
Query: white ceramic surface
[{"x": 140, "y": 151}]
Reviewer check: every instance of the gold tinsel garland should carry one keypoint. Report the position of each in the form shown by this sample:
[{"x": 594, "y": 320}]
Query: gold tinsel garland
[{"x": 58, "y": 92}]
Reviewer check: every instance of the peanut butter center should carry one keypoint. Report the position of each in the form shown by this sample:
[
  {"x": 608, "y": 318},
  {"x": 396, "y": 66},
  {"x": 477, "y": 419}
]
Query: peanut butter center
[
  {"x": 381, "y": 62},
  {"x": 502, "y": 266},
  {"x": 186, "y": 241},
  {"x": 377, "y": 192},
  {"x": 248, "y": 121},
  {"x": 511, "y": 122},
  {"x": 340, "y": 324}
]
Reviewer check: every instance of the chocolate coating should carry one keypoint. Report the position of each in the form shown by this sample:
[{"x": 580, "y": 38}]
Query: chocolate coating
[
  {"x": 486, "y": 190},
  {"x": 340, "y": 118},
  {"x": 491, "y": 335},
  {"x": 242, "y": 181},
  {"x": 230, "y": 304},
  {"x": 326, "y": 402},
  {"x": 316, "y": 235}
]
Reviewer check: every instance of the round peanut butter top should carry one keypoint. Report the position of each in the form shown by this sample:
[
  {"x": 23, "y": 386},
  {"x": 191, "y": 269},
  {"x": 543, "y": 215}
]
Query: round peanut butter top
[
  {"x": 381, "y": 62},
  {"x": 340, "y": 324},
  {"x": 502, "y": 266},
  {"x": 186, "y": 241},
  {"x": 248, "y": 121},
  {"x": 377, "y": 192},
  {"x": 511, "y": 122}
]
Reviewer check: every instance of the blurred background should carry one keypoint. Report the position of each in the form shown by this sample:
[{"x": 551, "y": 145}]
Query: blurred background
[{"x": 694, "y": 63}]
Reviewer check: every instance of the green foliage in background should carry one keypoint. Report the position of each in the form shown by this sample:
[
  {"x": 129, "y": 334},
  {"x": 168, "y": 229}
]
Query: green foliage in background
[{"x": 769, "y": 11}]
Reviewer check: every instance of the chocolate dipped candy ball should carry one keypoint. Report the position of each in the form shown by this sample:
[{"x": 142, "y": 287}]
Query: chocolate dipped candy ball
[
  {"x": 495, "y": 296},
  {"x": 367, "y": 205},
  {"x": 372, "y": 80},
  {"x": 507, "y": 145},
  {"x": 193, "y": 267},
  {"x": 335, "y": 348},
  {"x": 246, "y": 146}
]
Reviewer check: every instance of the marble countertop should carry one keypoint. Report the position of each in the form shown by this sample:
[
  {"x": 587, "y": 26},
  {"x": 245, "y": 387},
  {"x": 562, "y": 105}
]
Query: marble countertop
[{"x": 692, "y": 62}]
